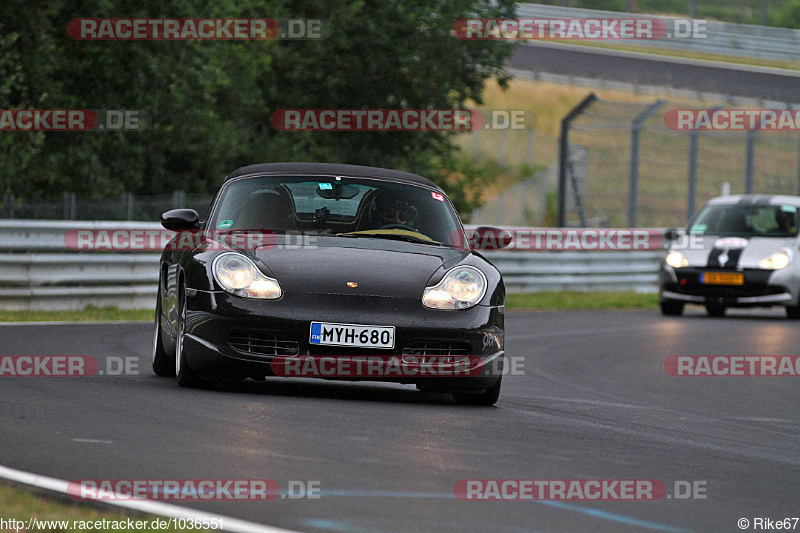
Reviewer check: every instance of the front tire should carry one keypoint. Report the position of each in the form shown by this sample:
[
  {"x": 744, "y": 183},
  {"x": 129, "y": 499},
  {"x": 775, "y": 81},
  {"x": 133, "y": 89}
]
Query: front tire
[
  {"x": 486, "y": 398},
  {"x": 671, "y": 308},
  {"x": 186, "y": 377},
  {"x": 163, "y": 363},
  {"x": 793, "y": 312}
]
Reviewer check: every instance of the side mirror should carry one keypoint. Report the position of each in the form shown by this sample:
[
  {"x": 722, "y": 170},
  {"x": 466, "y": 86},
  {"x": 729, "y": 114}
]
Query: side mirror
[
  {"x": 673, "y": 234},
  {"x": 180, "y": 219},
  {"x": 490, "y": 238}
]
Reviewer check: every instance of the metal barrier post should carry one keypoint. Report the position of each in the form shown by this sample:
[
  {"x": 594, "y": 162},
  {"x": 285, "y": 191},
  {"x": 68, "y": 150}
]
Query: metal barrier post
[
  {"x": 750, "y": 162},
  {"x": 636, "y": 126},
  {"x": 563, "y": 157}
]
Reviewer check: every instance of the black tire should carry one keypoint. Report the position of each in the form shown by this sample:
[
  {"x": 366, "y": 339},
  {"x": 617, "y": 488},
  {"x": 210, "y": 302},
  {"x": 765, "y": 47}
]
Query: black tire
[
  {"x": 793, "y": 312},
  {"x": 717, "y": 311},
  {"x": 163, "y": 363},
  {"x": 186, "y": 377},
  {"x": 488, "y": 397},
  {"x": 671, "y": 308}
]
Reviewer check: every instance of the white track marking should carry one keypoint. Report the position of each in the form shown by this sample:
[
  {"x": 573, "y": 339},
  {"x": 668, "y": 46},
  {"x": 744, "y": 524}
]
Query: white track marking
[
  {"x": 77, "y": 323},
  {"x": 233, "y": 525}
]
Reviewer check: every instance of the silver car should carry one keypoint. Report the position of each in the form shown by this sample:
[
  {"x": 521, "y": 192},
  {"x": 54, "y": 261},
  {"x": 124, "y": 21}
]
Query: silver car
[{"x": 738, "y": 251}]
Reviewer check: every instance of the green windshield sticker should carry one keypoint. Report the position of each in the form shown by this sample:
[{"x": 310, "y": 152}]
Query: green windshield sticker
[
  {"x": 225, "y": 224},
  {"x": 325, "y": 186},
  {"x": 789, "y": 208}
]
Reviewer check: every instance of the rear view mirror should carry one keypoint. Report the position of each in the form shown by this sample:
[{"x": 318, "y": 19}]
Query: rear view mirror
[
  {"x": 180, "y": 219},
  {"x": 337, "y": 191},
  {"x": 673, "y": 234},
  {"x": 490, "y": 238}
]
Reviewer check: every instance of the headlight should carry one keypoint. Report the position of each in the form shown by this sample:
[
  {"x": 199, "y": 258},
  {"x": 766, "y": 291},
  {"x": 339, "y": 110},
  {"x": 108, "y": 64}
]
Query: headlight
[
  {"x": 240, "y": 276},
  {"x": 677, "y": 260},
  {"x": 777, "y": 260},
  {"x": 460, "y": 288}
]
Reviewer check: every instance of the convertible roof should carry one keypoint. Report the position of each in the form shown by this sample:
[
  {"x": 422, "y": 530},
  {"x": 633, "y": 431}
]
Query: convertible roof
[
  {"x": 353, "y": 171},
  {"x": 756, "y": 199}
]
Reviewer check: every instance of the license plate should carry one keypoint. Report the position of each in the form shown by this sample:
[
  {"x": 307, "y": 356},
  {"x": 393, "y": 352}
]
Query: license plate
[
  {"x": 355, "y": 335},
  {"x": 722, "y": 278}
]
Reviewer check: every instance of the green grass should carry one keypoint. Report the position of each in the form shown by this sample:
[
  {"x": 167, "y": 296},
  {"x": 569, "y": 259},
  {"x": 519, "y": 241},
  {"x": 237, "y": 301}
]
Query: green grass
[
  {"x": 88, "y": 314},
  {"x": 19, "y": 504},
  {"x": 572, "y": 300}
]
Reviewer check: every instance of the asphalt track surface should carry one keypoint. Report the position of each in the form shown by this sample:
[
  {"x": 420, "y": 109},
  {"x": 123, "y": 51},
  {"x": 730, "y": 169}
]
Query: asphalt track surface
[
  {"x": 649, "y": 69},
  {"x": 594, "y": 402}
]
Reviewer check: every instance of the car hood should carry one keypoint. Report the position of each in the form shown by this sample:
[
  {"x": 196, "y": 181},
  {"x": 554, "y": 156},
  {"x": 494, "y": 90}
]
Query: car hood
[
  {"x": 402, "y": 272},
  {"x": 705, "y": 251}
]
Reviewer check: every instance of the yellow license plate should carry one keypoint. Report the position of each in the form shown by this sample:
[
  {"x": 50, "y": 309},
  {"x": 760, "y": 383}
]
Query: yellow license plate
[{"x": 722, "y": 278}]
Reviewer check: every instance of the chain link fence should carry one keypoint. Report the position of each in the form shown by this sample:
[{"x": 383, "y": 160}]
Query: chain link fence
[
  {"x": 621, "y": 166},
  {"x": 127, "y": 206}
]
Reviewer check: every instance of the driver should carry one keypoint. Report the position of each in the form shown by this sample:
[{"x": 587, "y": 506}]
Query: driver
[{"x": 389, "y": 210}]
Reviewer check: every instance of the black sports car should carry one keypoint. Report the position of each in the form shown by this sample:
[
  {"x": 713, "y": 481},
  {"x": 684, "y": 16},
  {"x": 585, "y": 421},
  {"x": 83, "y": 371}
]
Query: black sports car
[{"x": 348, "y": 263}]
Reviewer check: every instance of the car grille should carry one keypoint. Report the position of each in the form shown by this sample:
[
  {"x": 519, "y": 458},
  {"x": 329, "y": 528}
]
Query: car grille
[
  {"x": 748, "y": 289},
  {"x": 263, "y": 342},
  {"x": 435, "y": 351},
  {"x": 756, "y": 283}
]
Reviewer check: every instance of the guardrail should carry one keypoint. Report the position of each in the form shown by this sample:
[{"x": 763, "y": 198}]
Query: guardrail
[
  {"x": 726, "y": 38},
  {"x": 578, "y": 271},
  {"x": 37, "y": 271}
]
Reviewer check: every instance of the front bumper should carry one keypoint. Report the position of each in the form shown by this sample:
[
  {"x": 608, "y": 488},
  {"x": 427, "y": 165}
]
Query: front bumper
[
  {"x": 216, "y": 320},
  {"x": 760, "y": 288}
]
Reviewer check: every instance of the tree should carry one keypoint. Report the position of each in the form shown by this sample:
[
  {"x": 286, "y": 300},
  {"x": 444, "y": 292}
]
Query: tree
[{"x": 208, "y": 104}]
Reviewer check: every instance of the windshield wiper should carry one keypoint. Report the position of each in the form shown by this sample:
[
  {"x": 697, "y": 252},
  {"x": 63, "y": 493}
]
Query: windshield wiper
[{"x": 392, "y": 236}]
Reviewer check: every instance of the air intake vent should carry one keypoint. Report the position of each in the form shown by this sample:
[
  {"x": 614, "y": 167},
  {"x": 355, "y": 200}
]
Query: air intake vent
[
  {"x": 435, "y": 351},
  {"x": 263, "y": 342}
]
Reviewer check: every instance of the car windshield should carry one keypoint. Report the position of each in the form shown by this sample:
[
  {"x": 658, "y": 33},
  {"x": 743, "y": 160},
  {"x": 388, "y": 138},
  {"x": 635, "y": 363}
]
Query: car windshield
[
  {"x": 738, "y": 220},
  {"x": 342, "y": 206}
]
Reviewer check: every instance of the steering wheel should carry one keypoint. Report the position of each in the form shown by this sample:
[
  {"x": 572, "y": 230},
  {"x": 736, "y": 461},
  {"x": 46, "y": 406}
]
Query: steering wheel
[{"x": 400, "y": 226}]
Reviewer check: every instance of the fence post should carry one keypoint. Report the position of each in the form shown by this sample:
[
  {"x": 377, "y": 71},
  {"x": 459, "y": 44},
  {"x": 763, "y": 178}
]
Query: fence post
[
  {"x": 70, "y": 205},
  {"x": 750, "y": 163},
  {"x": 529, "y": 154},
  {"x": 128, "y": 202},
  {"x": 636, "y": 127},
  {"x": 178, "y": 199},
  {"x": 501, "y": 152},
  {"x": 563, "y": 157},
  {"x": 798, "y": 170},
  {"x": 694, "y": 139},
  {"x": 8, "y": 201}
]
